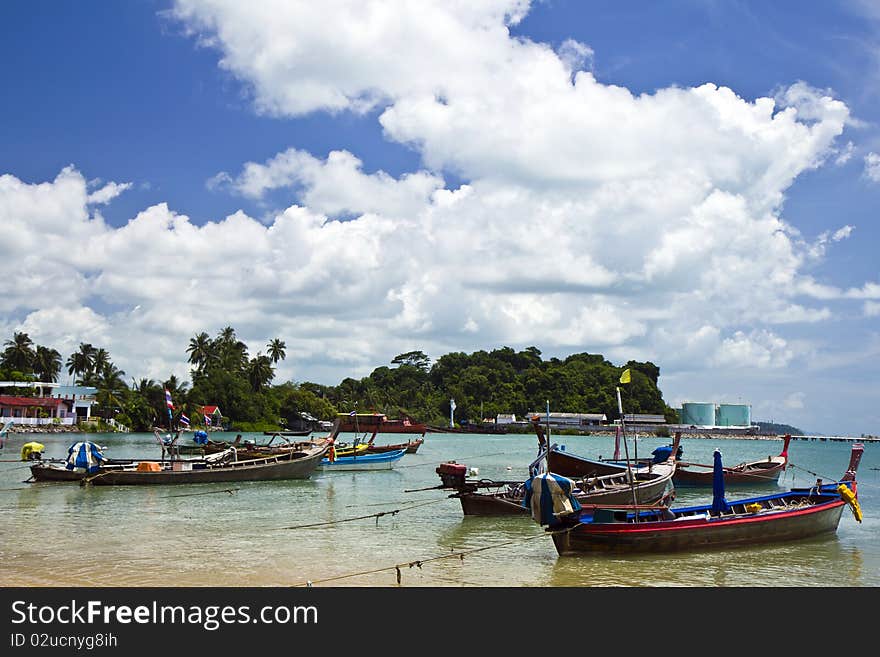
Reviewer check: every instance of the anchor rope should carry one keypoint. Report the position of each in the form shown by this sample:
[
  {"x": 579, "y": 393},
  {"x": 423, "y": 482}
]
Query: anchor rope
[
  {"x": 418, "y": 563},
  {"x": 393, "y": 512}
]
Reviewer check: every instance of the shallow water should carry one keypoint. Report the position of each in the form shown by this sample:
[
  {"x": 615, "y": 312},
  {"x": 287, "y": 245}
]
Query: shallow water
[{"x": 371, "y": 529}]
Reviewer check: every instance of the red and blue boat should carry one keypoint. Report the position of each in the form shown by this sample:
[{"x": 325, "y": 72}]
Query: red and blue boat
[{"x": 790, "y": 515}]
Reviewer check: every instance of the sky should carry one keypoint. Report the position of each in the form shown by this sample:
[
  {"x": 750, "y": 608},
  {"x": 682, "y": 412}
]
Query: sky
[{"x": 693, "y": 183}]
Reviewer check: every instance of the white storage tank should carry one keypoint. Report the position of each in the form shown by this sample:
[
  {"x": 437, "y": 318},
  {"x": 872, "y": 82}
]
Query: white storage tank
[
  {"x": 734, "y": 415},
  {"x": 699, "y": 414}
]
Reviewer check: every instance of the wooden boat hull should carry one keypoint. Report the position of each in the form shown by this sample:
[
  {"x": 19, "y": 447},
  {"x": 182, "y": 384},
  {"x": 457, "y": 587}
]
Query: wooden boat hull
[
  {"x": 510, "y": 502},
  {"x": 411, "y": 447},
  {"x": 755, "y": 474},
  {"x": 282, "y": 467},
  {"x": 698, "y": 534},
  {"x": 359, "y": 462}
]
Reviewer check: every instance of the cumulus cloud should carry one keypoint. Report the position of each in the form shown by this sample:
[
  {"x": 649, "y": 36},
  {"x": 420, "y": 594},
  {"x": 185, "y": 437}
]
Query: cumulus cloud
[
  {"x": 591, "y": 218},
  {"x": 872, "y": 167},
  {"x": 107, "y": 193},
  {"x": 334, "y": 186}
]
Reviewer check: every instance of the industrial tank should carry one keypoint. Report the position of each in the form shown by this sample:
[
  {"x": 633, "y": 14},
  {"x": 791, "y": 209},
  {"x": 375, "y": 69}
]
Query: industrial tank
[
  {"x": 700, "y": 414},
  {"x": 734, "y": 415}
]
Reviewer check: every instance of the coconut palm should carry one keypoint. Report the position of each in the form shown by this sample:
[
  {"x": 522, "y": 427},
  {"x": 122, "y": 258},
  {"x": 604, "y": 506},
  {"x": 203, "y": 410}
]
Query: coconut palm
[
  {"x": 276, "y": 349},
  {"x": 81, "y": 361},
  {"x": 260, "y": 372},
  {"x": 47, "y": 364},
  {"x": 19, "y": 353},
  {"x": 201, "y": 350}
]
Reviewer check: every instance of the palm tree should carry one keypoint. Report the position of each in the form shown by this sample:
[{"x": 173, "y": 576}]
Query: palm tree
[
  {"x": 260, "y": 372},
  {"x": 201, "y": 350},
  {"x": 81, "y": 361},
  {"x": 19, "y": 353},
  {"x": 111, "y": 387},
  {"x": 277, "y": 349},
  {"x": 100, "y": 359},
  {"x": 47, "y": 363}
]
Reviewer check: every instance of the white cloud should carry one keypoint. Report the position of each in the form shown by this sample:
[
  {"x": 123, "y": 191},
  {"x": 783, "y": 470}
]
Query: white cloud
[
  {"x": 872, "y": 167},
  {"x": 108, "y": 192},
  {"x": 336, "y": 185},
  {"x": 592, "y": 218}
]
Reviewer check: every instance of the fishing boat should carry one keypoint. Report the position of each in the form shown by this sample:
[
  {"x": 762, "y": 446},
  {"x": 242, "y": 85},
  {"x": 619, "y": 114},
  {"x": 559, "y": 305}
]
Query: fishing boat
[
  {"x": 86, "y": 463},
  {"x": 784, "y": 516},
  {"x": 764, "y": 471},
  {"x": 379, "y": 422},
  {"x": 596, "y": 482},
  {"x": 411, "y": 447},
  {"x": 362, "y": 461}
]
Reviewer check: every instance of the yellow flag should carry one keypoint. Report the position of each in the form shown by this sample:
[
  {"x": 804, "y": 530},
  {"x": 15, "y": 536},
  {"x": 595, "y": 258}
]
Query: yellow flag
[{"x": 625, "y": 377}]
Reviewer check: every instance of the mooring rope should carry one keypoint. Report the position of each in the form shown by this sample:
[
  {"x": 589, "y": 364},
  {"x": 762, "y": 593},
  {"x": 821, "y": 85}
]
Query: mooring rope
[
  {"x": 393, "y": 512},
  {"x": 422, "y": 465},
  {"x": 418, "y": 563},
  {"x": 210, "y": 492},
  {"x": 815, "y": 474}
]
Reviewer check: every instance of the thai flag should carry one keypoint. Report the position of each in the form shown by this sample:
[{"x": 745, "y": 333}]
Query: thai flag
[
  {"x": 168, "y": 401},
  {"x": 207, "y": 420},
  {"x": 184, "y": 420},
  {"x": 352, "y": 414}
]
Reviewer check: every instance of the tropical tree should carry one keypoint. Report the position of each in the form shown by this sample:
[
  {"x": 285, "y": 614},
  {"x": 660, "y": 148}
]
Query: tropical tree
[
  {"x": 81, "y": 361},
  {"x": 47, "y": 363},
  {"x": 201, "y": 350},
  {"x": 277, "y": 349},
  {"x": 19, "y": 353},
  {"x": 260, "y": 372}
]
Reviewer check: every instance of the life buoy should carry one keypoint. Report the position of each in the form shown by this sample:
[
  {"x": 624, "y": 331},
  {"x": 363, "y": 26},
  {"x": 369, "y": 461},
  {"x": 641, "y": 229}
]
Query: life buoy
[{"x": 850, "y": 498}]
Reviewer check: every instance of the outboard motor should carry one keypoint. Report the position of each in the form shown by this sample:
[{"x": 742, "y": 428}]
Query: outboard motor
[{"x": 452, "y": 474}]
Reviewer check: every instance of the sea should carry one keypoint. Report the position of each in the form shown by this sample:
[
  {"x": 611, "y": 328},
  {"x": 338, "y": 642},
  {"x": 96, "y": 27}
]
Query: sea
[{"x": 394, "y": 528}]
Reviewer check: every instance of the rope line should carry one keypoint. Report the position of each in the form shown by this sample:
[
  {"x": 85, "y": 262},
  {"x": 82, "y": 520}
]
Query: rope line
[
  {"x": 210, "y": 492},
  {"x": 393, "y": 512},
  {"x": 815, "y": 474},
  {"x": 418, "y": 563},
  {"x": 349, "y": 506},
  {"x": 422, "y": 465}
]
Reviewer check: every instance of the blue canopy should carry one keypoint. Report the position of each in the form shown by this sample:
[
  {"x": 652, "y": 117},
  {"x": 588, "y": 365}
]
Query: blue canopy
[
  {"x": 548, "y": 495},
  {"x": 86, "y": 455},
  {"x": 719, "y": 504}
]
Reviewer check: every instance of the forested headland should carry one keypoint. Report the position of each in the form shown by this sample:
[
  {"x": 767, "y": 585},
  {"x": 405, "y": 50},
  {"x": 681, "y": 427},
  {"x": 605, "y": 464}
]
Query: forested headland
[{"x": 224, "y": 373}]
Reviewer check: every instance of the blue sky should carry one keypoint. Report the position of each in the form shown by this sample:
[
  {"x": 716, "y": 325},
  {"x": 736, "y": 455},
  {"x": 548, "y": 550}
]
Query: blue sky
[{"x": 688, "y": 182}]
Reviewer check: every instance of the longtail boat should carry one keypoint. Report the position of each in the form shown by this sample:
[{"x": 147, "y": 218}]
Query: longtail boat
[
  {"x": 595, "y": 482},
  {"x": 220, "y": 467},
  {"x": 764, "y": 471},
  {"x": 379, "y": 422},
  {"x": 785, "y": 516}
]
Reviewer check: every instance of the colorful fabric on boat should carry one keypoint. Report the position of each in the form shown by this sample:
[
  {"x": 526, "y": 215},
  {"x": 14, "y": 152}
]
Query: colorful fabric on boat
[
  {"x": 200, "y": 437},
  {"x": 86, "y": 455},
  {"x": 548, "y": 496}
]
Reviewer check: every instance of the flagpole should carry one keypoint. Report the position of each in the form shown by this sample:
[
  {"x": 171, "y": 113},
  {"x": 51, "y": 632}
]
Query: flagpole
[{"x": 625, "y": 378}]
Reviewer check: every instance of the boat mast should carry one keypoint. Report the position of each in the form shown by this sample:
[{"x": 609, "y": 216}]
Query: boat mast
[{"x": 629, "y": 471}]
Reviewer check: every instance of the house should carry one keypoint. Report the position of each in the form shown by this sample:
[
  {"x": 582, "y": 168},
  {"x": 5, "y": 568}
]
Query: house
[
  {"x": 214, "y": 412},
  {"x": 572, "y": 420},
  {"x": 644, "y": 418},
  {"x": 53, "y": 403}
]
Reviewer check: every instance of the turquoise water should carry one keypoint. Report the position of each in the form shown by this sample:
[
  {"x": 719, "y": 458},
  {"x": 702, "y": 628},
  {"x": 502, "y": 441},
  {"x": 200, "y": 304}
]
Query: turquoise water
[{"x": 366, "y": 529}]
